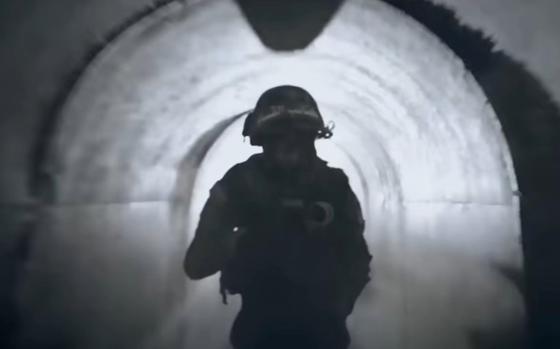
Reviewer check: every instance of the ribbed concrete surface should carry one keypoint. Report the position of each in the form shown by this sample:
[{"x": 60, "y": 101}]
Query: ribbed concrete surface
[{"x": 151, "y": 126}]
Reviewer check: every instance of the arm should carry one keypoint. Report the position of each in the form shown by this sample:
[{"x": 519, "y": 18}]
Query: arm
[
  {"x": 354, "y": 266},
  {"x": 215, "y": 236},
  {"x": 343, "y": 271}
]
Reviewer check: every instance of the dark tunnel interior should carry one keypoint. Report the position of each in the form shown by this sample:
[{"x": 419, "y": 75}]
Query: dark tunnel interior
[{"x": 451, "y": 146}]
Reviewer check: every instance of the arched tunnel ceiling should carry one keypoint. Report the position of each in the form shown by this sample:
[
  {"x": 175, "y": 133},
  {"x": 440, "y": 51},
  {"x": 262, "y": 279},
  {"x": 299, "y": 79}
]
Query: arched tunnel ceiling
[
  {"x": 402, "y": 103},
  {"x": 46, "y": 45},
  {"x": 153, "y": 120}
]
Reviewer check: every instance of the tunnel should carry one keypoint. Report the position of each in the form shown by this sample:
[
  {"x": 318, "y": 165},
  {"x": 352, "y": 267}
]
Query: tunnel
[{"x": 126, "y": 161}]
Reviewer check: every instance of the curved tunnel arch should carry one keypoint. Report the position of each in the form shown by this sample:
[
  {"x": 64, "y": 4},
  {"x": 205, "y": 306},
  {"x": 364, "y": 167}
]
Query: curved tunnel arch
[
  {"x": 398, "y": 108},
  {"x": 210, "y": 136}
]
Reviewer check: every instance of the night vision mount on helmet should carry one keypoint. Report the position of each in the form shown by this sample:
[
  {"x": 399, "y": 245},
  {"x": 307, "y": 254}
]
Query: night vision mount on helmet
[{"x": 285, "y": 109}]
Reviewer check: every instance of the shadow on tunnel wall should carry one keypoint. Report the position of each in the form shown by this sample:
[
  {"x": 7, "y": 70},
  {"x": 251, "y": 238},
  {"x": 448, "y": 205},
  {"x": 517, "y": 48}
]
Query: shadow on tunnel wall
[
  {"x": 531, "y": 124},
  {"x": 307, "y": 19}
]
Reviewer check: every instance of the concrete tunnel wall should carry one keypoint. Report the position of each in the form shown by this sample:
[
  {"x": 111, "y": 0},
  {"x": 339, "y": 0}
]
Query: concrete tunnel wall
[
  {"x": 115, "y": 187},
  {"x": 126, "y": 127}
]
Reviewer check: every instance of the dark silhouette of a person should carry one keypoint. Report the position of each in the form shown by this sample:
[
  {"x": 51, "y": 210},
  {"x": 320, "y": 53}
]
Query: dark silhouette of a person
[{"x": 286, "y": 232}]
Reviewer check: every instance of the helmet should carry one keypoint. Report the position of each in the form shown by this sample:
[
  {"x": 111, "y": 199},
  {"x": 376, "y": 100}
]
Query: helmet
[{"x": 284, "y": 109}]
